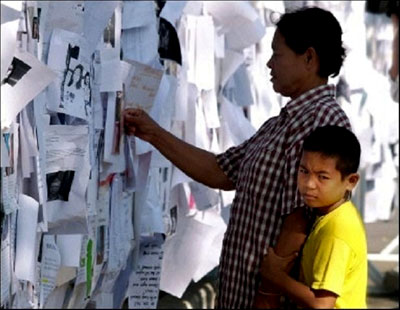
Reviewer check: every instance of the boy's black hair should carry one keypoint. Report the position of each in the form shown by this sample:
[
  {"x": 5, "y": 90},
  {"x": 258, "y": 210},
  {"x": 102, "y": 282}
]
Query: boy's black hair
[
  {"x": 337, "y": 142},
  {"x": 317, "y": 28}
]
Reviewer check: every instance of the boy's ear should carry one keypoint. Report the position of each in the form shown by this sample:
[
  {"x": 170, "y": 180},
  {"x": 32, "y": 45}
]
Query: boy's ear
[{"x": 352, "y": 180}]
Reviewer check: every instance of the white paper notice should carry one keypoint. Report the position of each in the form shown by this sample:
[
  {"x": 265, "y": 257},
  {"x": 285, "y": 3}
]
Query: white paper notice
[
  {"x": 70, "y": 249},
  {"x": 143, "y": 287},
  {"x": 49, "y": 267},
  {"x": 137, "y": 14},
  {"x": 141, "y": 86},
  {"x": 25, "y": 260},
  {"x": 67, "y": 176},
  {"x": 26, "y": 79},
  {"x": 70, "y": 59}
]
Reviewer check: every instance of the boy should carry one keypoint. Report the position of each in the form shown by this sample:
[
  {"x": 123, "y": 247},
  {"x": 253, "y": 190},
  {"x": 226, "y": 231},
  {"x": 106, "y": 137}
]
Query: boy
[{"x": 333, "y": 270}]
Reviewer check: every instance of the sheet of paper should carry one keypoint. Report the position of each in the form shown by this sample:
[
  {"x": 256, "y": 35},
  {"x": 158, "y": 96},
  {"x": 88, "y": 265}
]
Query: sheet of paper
[
  {"x": 69, "y": 247},
  {"x": 184, "y": 249},
  {"x": 141, "y": 86},
  {"x": 140, "y": 44},
  {"x": 26, "y": 79},
  {"x": 67, "y": 175},
  {"x": 230, "y": 64},
  {"x": 67, "y": 15},
  {"x": 200, "y": 48},
  {"x": 204, "y": 196},
  {"x": 235, "y": 126},
  {"x": 50, "y": 265},
  {"x": 111, "y": 74},
  {"x": 70, "y": 59},
  {"x": 56, "y": 298},
  {"x": 138, "y": 14},
  {"x": 151, "y": 212},
  {"x": 8, "y": 44},
  {"x": 211, "y": 114},
  {"x": 97, "y": 15},
  {"x": 25, "y": 260},
  {"x": 144, "y": 282},
  {"x": 28, "y": 146},
  {"x": 242, "y": 88},
  {"x": 10, "y": 10},
  {"x": 9, "y": 188},
  {"x": 238, "y": 20},
  {"x": 113, "y": 155},
  {"x": 6, "y": 265},
  {"x": 172, "y": 11},
  {"x": 120, "y": 229}
]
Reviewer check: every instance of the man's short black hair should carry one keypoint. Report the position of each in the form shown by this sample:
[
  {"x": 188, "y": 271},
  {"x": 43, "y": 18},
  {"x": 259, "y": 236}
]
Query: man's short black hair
[
  {"x": 336, "y": 142},
  {"x": 317, "y": 28}
]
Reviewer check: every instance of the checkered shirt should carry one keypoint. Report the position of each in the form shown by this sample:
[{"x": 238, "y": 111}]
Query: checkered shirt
[{"x": 264, "y": 170}]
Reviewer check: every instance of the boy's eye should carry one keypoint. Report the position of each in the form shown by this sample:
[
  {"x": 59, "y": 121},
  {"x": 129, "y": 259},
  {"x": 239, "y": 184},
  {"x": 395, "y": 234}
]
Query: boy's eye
[
  {"x": 323, "y": 177},
  {"x": 302, "y": 170}
]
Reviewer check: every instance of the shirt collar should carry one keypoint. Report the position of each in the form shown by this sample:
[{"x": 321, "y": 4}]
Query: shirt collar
[{"x": 301, "y": 102}]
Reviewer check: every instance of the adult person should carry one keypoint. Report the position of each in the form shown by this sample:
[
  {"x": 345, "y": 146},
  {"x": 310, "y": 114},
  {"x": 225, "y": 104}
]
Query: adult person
[{"x": 307, "y": 49}]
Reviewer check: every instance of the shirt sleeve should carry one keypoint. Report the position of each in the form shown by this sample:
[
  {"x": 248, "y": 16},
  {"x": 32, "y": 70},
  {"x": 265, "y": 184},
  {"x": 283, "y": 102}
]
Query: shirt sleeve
[
  {"x": 330, "y": 265},
  {"x": 231, "y": 159},
  {"x": 291, "y": 197}
]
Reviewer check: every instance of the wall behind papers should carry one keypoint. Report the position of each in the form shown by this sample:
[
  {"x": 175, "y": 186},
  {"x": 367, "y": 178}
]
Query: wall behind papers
[{"x": 90, "y": 216}]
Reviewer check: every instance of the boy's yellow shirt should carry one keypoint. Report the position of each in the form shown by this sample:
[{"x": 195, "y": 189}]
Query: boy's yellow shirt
[{"x": 334, "y": 256}]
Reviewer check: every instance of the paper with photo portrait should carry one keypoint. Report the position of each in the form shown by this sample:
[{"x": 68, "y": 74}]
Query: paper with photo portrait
[
  {"x": 67, "y": 174},
  {"x": 26, "y": 78},
  {"x": 69, "y": 57}
]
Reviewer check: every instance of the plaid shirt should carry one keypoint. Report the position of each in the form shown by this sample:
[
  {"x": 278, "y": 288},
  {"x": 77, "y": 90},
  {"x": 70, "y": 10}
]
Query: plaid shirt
[{"x": 264, "y": 169}]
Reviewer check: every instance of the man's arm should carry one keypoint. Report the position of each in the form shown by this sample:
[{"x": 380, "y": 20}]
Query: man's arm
[
  {"x": 291, "y": 239},
  {"x": 197, "y": 163},
  {"x": 300, "y": 293}
]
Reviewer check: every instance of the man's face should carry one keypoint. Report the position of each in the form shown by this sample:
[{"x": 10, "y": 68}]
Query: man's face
[
  {"x": 287, "y": 68},
  {"x": 320, "y": 183}
]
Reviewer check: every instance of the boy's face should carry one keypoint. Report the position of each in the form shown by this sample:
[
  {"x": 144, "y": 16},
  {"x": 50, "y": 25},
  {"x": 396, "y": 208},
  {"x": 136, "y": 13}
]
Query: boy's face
[{"x": 321, "y": 184}]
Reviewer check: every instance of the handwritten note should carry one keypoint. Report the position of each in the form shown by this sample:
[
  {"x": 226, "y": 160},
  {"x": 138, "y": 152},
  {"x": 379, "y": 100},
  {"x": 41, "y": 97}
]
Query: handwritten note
[
  {"x": 142, "y": 85},
  {"x": 144, "y": 283}
]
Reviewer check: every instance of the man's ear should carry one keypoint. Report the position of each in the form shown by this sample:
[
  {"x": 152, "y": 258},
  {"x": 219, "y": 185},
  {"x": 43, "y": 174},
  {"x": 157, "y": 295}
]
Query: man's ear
[
  {"x": 311, "y": 58},
  {"x": 352, "y": 180}
]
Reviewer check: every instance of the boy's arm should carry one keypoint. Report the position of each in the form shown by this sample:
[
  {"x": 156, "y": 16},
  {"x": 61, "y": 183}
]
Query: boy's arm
[
  {"x": 291, "y": 239},
  {"x": 300, "y": 293}
]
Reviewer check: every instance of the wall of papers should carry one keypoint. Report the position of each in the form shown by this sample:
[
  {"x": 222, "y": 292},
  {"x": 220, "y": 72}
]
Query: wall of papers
[{"x": 92, "y": 217}]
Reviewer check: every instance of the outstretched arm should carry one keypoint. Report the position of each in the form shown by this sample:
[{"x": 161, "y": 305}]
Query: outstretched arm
[{"x": 197, "y": 163}]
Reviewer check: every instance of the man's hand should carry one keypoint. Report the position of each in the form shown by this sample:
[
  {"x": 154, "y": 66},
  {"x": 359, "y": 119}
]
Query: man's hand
[
  {"x": 137, "y": 122},
  {"x": 273, "y": 265}
]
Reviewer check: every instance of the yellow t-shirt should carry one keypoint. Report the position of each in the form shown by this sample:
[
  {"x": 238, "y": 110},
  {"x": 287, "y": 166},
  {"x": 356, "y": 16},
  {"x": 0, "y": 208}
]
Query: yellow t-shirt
[{"x": 335, "y": 257}]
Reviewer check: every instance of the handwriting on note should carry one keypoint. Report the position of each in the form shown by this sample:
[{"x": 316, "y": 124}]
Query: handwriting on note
[
  {"x": 141, "y": 85},
  {"x": 144, "y": 282}
]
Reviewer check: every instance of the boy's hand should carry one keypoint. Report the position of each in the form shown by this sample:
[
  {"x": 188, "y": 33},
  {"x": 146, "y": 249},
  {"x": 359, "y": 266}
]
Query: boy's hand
[{"x": 273, "y": 265}]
